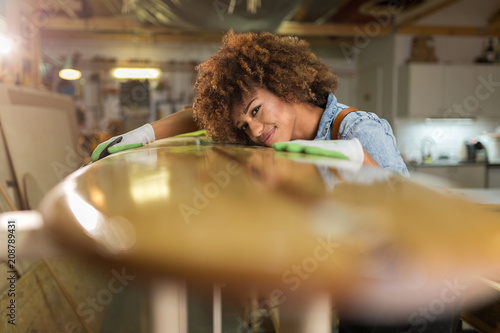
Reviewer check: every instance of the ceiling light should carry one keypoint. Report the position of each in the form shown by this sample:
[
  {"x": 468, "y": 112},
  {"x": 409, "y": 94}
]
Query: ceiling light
[
  {"x": 68, "y": 72},
  {"x": 5, "y": 45},
  {"x": 136, "y": 73}
]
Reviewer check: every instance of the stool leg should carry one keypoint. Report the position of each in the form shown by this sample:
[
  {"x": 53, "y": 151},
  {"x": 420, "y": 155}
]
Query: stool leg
[
  {"x": 217, "y": 309},
  {"x": 169, "y": 306},
  {"x": 305, "y": 316},
  {"x": 318, "y": 318}
]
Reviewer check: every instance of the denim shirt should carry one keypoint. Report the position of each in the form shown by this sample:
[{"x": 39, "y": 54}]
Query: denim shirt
[{"x": 374, "y": 133}]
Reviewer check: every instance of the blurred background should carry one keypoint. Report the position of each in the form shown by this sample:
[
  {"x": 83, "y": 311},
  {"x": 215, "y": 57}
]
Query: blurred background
[{"x": 416, "y": 63}]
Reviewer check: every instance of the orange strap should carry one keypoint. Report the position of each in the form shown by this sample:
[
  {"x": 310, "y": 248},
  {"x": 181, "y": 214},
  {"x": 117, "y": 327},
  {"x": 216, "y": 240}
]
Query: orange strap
[
  {"x": 338, "y": 121},
  {"x": 335, "y": 134}
]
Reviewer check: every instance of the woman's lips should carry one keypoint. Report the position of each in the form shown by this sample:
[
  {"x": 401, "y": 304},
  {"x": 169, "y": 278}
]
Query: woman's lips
[{"x": 269, "y": 136}]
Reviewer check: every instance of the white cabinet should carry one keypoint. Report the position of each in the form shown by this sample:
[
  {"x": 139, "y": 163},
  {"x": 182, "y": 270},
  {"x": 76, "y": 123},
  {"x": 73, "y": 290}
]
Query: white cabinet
[
  {"x": 462, "y": 176},
  {"x": 459, "y": 83},
  {"x": 449, "y": 91},
  {"x": 488, "y": 90},
  {"x": 420, "y": 90}
]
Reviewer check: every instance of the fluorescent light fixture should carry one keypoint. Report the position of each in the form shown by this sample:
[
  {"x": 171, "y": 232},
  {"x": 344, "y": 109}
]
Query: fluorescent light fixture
[
  {"x": 70, "y": 74},
  {"x": 5, "y": 45},
  {"x": 135, "y": 73}
]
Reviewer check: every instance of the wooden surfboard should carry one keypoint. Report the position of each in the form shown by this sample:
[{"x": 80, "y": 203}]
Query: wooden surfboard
[{"x": 284, "y": 223}]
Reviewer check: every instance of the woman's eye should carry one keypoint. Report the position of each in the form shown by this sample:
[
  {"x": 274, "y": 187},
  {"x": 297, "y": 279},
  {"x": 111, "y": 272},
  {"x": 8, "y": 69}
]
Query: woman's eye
[
  {"x": 244, "y": 127},
  {"x": 255, "y": 111}
]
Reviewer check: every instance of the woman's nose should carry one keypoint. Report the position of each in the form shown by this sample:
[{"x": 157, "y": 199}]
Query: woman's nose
[{"x": 255, "y": 129}]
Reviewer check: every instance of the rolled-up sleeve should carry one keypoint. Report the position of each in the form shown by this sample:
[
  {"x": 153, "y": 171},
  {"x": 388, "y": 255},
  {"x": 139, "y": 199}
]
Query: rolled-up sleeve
[{"x": 378, "y": 140}]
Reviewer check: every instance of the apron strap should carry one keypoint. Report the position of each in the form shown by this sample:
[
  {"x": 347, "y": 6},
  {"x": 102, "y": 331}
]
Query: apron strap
[{"x": 338, "y": 120}]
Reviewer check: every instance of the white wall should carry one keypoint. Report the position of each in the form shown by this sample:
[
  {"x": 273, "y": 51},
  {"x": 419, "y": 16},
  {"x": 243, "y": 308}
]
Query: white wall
[
  {"x": 346, "y": 91},
  {"x": 344, "y": 68},
  {"x": 377, "y": 57}
]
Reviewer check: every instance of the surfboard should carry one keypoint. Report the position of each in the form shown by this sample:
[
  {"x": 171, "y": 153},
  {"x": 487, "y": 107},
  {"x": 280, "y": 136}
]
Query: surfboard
[{"x": 284, "y": 223}]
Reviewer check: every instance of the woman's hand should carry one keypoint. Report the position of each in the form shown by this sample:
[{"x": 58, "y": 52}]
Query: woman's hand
[
  {"x": 133, "y": 139},
  {"x": 350, "y": 150}
]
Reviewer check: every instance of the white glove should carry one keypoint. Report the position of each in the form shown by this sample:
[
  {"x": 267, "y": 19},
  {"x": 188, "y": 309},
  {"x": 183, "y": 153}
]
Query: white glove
[
  {"x": 342, "y": 149},
  {"x": 133, "y": 139}
]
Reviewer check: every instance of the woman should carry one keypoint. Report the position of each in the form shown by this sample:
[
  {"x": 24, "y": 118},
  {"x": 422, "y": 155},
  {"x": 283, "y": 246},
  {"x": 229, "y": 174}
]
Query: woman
[{"x": 263, "y": 89}]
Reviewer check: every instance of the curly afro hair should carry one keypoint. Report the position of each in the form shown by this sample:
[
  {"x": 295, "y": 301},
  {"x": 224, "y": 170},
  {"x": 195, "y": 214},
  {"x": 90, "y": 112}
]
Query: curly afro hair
[{"x": 283, "y": 65}]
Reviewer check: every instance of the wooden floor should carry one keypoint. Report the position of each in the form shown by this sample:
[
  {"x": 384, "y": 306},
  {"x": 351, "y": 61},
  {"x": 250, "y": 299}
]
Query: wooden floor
[
  {"x": 52, "y": 295},
  {"x": 54, "y": 288}
]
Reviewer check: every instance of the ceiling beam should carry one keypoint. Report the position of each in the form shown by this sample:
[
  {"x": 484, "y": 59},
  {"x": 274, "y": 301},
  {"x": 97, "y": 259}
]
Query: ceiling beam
[
  {"x": 425, "y": 13},
  {"x": 47, "y": 35},
  {"x": 329, "y": 41},
  {"x": 91, "y": 35},
  {"x": 330, "y": 29},
  {"x": 332, "y": 12},
  {"x": 71, "y": 13},
  {"x": 73, "y": 6},
  {"x": 301, "y": 12},
  {"x": 127, "y": 28},
  {"x": 132, "y": 37},
  {"x": 103, "y": 24},
  {"x": 447, "y": 31},
  {"x": 494, "y": 27},
  {"x": 348, "y": 12}
]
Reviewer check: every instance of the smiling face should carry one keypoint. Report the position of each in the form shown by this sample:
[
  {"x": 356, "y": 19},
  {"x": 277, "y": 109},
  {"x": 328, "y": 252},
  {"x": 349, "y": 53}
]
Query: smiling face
[{"x": 268, "y": 119}]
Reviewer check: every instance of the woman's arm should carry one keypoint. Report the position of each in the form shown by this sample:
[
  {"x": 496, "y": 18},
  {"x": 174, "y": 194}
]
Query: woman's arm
[
  {"x": 174, "y": 124},
  {"x": 378, "y": 140},
  {"x": 177, "y": 123},
  {"x": 368, "y": 160}
]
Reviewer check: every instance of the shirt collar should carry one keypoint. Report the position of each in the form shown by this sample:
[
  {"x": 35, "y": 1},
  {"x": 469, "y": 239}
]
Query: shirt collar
[{"x": 329, "y": 115}]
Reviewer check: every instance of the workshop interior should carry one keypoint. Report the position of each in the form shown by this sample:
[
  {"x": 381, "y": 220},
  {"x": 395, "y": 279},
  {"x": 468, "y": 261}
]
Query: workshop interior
[{"x": 188, "y": 234}]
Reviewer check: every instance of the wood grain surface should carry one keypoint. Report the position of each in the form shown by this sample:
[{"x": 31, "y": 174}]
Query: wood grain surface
[{"x": 284, "y": 223}]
